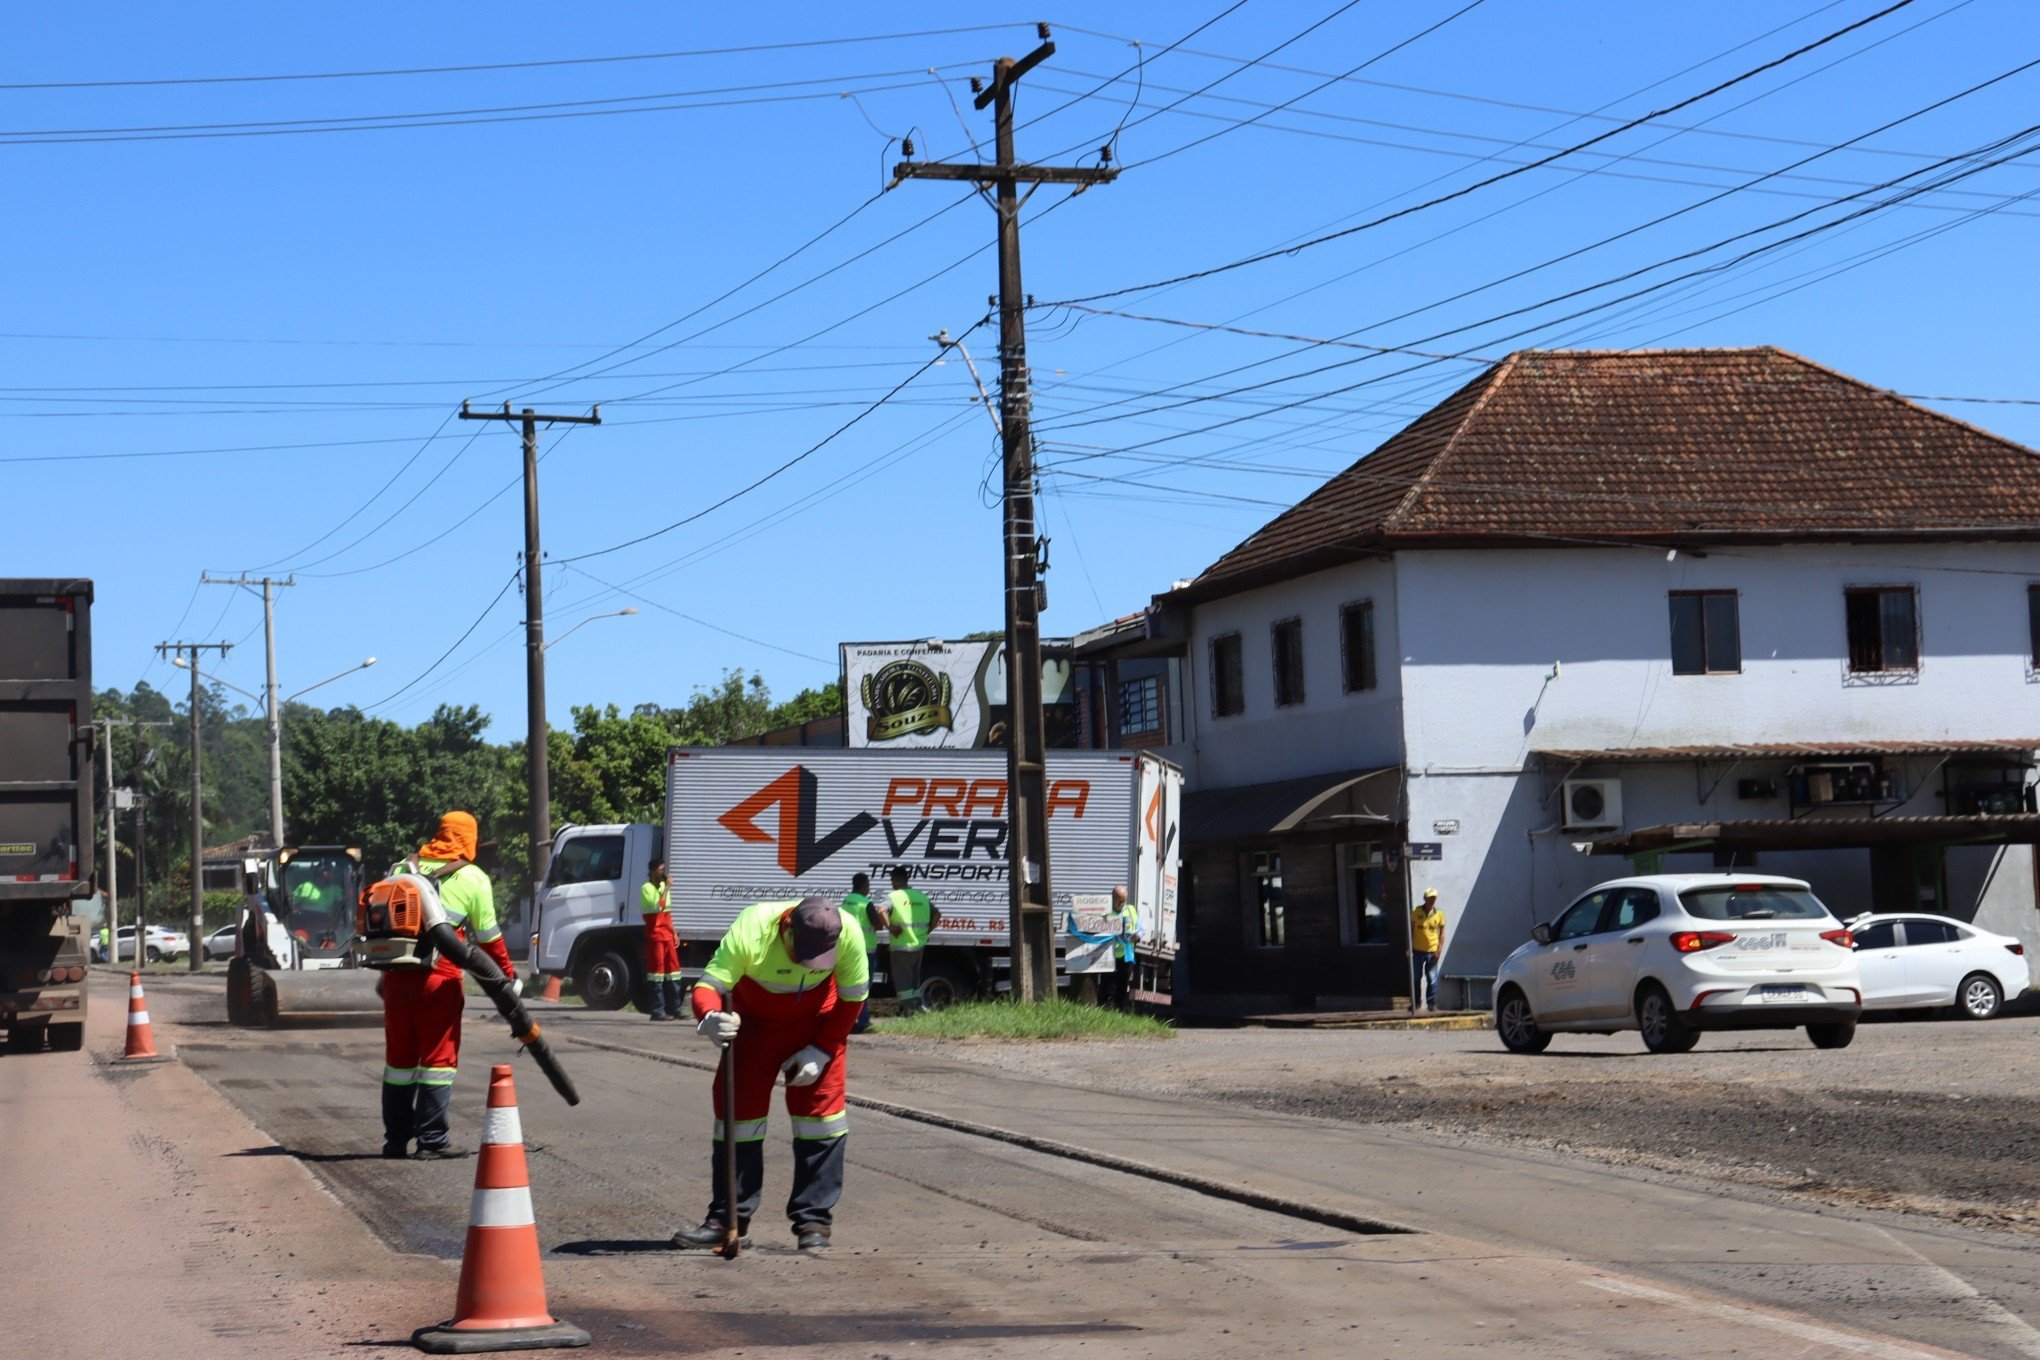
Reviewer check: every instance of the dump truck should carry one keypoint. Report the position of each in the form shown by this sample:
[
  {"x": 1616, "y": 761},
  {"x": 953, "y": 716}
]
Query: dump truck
[
  {"x": 295, "y": 955},
  {"x": 46, "y": 826},
  {"x": 749, "y": 824}
]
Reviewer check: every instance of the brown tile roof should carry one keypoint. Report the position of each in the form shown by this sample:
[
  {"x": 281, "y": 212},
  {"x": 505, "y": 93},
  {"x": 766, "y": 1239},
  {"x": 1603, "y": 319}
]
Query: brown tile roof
[{"x": 1667, "y": 446}]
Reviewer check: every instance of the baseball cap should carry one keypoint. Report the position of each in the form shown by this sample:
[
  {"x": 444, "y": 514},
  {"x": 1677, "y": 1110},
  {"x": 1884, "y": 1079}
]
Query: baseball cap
[
  {"x": 1430, "y": 893},
  {"x": 816, "y": 925}
]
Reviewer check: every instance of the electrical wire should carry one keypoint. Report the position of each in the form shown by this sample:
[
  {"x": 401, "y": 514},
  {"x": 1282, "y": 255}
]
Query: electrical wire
[{"x": 465, "y": 635}]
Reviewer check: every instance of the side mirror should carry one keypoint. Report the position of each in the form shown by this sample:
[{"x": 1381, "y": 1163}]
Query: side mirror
[{"x": 1541, "y": 934}]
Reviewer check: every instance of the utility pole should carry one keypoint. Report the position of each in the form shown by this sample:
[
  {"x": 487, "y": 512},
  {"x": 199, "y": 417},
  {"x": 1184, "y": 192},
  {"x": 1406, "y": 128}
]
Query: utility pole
[
  {"x": 536, "y": 760},
  {"x": 269, "y": 588},
  {"x": 1030, "y": 904},
  {"x": 113, "y": 805},
  {"x": 197, "y": 942}
]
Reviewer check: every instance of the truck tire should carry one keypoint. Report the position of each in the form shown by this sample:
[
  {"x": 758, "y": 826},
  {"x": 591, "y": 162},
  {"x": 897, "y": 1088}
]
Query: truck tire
[
  {"x": 606, "y": 980},
  {"x": 944, "y": 982},
  {"x": 67, "y": 1038},
  {"x": 237, "y": 991},
  {"x": 261, "y": 999}
]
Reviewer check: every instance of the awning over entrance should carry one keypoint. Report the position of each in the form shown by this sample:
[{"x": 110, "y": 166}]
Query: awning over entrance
[
  {"x": 1823, "y": 833},
  {"x": 1356, "y": 798}
]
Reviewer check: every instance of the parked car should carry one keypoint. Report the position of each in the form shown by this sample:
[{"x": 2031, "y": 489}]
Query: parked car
[
  {"x": 1675, "y": 955},
  {"x": 1911, "y": 961},
  {"x": 162, "y": 944},
  {"x": 220, "y": 944}
]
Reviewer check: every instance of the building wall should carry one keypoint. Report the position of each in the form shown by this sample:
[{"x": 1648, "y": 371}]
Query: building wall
[
  {"x": 1331, "y": 729},
  {"x": 1509, "y": 652}
]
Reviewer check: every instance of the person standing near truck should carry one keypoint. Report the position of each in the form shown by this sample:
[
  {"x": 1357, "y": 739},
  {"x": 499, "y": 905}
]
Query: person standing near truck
[
  {"x": 1125, "y": 918},
  {"x": 870, "y": 917},
  {"x": 785, "y": 995},
  {"x": 910, "y": 916},
  {"x": 422, "y": 1006},
  {"x": 662, "y": 946}
]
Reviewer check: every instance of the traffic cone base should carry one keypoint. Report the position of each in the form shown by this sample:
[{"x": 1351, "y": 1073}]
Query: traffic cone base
[
  {"x": 552, "y": 988},
  {"x": 500, "y": 1304},
  {"x": 141, "y": 1038}
]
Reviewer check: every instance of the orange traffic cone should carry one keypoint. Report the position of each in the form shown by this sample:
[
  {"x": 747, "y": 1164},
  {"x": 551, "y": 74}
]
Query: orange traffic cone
[
  {"x": 500, "y": 1305},
  {"x": 552, "y": 988},
  {"x": 141, "y": 1040}
]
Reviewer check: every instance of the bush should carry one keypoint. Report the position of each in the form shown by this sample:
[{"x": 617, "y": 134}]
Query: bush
[{"x": 221, "y": 909}]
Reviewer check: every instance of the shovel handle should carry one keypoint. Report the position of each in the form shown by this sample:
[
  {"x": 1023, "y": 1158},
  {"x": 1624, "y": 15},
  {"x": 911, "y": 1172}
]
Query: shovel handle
[{"x": 732, "y": 1244}]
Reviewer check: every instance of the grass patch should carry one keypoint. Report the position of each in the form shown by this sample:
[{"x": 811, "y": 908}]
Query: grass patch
[{"x": 1056, "y": 1019}]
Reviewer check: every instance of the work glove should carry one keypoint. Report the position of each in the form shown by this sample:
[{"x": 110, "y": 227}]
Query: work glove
[
  {"x": 517, "y": 987},
  {"x": 719, "y": 1027},
  {"x": 805, "y": 1067}
]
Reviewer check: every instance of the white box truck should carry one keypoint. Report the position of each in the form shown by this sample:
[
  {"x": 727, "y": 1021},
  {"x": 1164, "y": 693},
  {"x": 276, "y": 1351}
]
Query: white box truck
[{"x": 749, "y": 824}]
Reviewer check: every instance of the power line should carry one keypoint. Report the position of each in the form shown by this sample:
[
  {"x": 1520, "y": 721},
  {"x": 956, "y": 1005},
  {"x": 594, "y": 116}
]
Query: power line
[
  {"x": 469, "y": 632},
  {"x": 1511, "y": 173},
  {"x": 702, "y": 623},
  {"x": 507, "y": 65}
]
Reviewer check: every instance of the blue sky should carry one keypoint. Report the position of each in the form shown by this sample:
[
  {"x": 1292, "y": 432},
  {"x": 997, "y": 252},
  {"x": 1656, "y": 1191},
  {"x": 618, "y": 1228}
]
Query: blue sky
[{"x": 220, "y": 349}]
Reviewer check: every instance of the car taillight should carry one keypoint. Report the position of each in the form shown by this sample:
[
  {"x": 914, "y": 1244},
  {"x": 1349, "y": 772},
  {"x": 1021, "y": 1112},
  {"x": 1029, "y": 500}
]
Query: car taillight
[
  {"x": 2016, "y": 947},
  {"x": 1693, "y": 941},
  {"x": 1840, "y": 937}
]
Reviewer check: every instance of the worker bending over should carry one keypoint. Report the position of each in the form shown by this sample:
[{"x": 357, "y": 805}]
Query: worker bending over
[
  {"x": 780, "y": 996},
  {"x": 662, "y": 946},
  {"x": 422, "y": 1005}
]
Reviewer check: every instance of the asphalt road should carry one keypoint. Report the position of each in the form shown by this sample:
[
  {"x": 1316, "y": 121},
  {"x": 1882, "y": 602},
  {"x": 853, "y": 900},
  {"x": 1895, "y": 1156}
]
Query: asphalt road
[{"x": 952, "y": 1240}]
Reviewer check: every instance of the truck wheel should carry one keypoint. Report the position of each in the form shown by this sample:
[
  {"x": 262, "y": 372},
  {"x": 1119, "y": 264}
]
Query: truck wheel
[
  {"x": 944, "y": 983},
  {"x": 67, "y": 1038},
  {"x": 261, "y": 999},
  {"x": 606, "y": 980},
  {"x": 237, "y": 991}
]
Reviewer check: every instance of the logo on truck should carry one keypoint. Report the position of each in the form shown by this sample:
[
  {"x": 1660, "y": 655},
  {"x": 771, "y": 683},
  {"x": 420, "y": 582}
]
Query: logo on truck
[{"x": 799, "y": 848}]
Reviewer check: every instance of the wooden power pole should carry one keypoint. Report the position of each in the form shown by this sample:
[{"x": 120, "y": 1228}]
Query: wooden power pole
[
  {"x": 536, "y": 762},
  {"x": 1030, "y": 902},
  {"x": 196, "y": 957}
]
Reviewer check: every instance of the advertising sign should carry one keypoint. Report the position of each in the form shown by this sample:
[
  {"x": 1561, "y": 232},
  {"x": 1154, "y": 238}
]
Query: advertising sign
[{"x": 916, "y": 695}]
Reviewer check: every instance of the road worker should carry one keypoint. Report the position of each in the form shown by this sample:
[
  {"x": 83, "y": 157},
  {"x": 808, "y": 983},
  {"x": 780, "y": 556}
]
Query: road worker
[
  {"x": 422, "y": 1006},
  {"x": 1125, "y": 918},
  {"x": 662, "y": 946},
  {"x": 911, "y": 917},
  {"x": 870, "y": 918},
  {"x": 780, "y": 996}
]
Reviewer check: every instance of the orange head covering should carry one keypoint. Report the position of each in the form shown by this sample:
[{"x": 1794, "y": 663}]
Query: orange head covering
[{"x": 457, "y": 838}]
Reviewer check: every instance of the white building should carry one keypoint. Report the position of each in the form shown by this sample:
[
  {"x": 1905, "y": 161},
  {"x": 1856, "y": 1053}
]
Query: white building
[{"x": 1686, "y": 608}]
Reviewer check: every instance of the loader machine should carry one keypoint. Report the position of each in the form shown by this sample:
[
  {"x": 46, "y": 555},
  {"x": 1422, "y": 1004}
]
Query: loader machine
[{"x": 294, "y": 956}]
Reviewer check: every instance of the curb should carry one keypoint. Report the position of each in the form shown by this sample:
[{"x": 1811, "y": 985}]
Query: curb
[{"x": 1466, "y": 1021}]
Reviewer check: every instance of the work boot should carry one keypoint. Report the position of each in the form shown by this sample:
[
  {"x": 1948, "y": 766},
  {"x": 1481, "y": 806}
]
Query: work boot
[
  {"x": 707, "y": 1237},
  {"x": 676, "y": 1003},
  {"x": 441, "y": 1153},
  {"x": 811, "y": 1236},
  {"x": 395, "y": 1152}
]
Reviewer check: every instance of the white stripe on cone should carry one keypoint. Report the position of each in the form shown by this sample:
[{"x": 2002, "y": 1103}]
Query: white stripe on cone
[
  {"x": 137, "y": 1018},
  {"x": 501, "y": 1125},
  {"x": 135, "y": 992},
  {"x": 506, "y": 1208}
]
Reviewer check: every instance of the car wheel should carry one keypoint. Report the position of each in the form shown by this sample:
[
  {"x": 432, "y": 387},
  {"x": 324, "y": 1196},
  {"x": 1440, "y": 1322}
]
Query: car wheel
[
  {"x": 1979, "y": 997},
  {"x": 1664, "y": 1029},
  {"x": 1516, "y": 1023},
  {"x": 605, "y": 981},
  {"x": 1836, "y": 1035},
  {"x": 154, "y": 955}
]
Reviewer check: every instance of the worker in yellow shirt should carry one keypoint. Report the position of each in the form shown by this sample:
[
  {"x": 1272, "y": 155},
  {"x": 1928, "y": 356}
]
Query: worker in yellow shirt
[
  {"x": 870, "y": 917},
  {"x": 662, "y": 946},
  {"x": 1427, "y": 946},
  {"x": 911, "y": 917}
]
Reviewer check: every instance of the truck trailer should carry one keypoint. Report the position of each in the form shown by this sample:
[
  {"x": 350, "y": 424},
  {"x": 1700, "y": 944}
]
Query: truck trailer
[
  {"x": 752, "y": 824},
  {"x": 46, "y": 840}
]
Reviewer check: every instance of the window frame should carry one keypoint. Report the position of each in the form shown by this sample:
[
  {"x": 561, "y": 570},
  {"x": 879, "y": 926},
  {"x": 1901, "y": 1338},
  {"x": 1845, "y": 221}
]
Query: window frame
[
  {"x": 1149, "y": 705},
  {"x": 1370, "y": 677},
  {"x": 1353, "y": 858},
  {"x": 1239, "y": 669},
  {"x": 1600, "y": 909},
  {"x": 1849, "y": 594},
  {"x": 1276, "y": 630},
  {"x": 2033, "y": 628},
  {"x": 1255, "y": 873},
  {"x": 1707, "y": 666}
]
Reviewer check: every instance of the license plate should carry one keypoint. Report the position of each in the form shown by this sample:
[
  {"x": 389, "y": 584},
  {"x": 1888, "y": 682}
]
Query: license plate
[{"x": 1781, "y": 993}]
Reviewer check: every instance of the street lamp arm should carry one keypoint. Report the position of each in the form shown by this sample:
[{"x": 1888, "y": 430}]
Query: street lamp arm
[
  {"x": 612, "y": 614},
  {"x": 180, "y": 662},
  {"x": 362, "y": 666}
]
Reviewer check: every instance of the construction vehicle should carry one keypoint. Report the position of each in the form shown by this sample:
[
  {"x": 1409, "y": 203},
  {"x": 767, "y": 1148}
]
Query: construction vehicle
[
  {"x": 295, "y": 956},
  {"x": 749, "y": 824},
  {"x": 46, "y": 841}
]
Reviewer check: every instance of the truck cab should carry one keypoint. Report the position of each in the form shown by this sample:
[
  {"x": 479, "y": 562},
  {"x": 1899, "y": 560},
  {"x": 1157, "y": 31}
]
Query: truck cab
[{"x": 588, "y": 927}]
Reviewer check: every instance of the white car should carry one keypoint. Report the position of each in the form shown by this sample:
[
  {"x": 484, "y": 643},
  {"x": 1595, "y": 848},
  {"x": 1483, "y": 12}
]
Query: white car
[
  {"x": 1673, "y": 955},
  {"x": 1910, "y": 960},
  {"x": 163, "y": 944},
  {"x": 222, "y": 942}
]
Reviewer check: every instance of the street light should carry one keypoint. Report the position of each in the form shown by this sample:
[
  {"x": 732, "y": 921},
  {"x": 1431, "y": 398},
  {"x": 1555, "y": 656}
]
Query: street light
[
  {"x": 275, "y": 723},
  {"x": 613, "y": 614}
]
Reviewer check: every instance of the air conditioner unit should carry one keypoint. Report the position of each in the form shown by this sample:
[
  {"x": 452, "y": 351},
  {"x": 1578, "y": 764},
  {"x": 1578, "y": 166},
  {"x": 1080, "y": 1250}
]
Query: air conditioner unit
[{"x": 1592, "y": 802}]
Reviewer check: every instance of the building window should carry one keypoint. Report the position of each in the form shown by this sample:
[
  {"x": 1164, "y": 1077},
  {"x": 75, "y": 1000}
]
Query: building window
[
  {"x": 1228, "y": 684},
  {"x": 1363, "y": 895},
  {"x": 1270, "y": 926},
  {"x": 1288, "y": 638},
  {"x": 1706, "y": 632},
  {"x": 2033, "y": 624},
  {"x": 1356, "y": 645},
  {"x": 1140, "y": 706},
  {"x": 1883, "y": 628}
]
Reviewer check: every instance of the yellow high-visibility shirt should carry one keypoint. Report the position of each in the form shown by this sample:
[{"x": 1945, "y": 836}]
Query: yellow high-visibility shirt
[{"x": 1427, "y": 929}]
